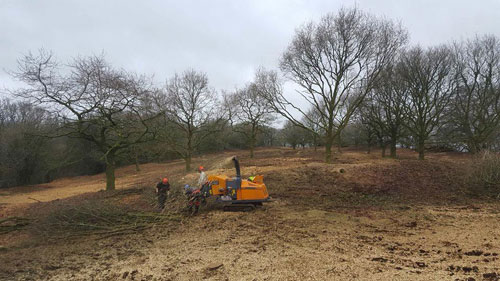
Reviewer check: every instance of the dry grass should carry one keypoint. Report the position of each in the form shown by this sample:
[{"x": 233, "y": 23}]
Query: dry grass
[{"x": 484, "y": 175}]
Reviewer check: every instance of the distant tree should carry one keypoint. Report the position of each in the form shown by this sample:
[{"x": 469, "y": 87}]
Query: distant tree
[
  {"x": 335, "y": 63},
  {"x": 270, "y": 136},
  {"x": 294, "y": 135},
  {"x": 192, "y": 113},
  {"x": 314, "y": 126},
  {"x": 355, "y": 133},
  {"x": 365, "y": 124},
  {"x": 23, "y": 157},
  {"x": 426, "y": 73},
  {"x": 91, "y": 101},
  {"x": 251, "y": 112},
  {"x": 384, "y": 108},
  {"x": 475, "y": 111},
  {"x": 372, "y": 116}
]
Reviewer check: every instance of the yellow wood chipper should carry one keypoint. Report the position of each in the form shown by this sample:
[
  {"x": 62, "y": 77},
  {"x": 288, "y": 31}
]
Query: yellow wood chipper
[{"x": 237, "y": 193}]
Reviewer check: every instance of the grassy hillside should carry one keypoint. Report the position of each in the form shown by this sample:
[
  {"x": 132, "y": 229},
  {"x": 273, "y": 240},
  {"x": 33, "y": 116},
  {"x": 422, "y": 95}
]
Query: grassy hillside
[{"x": 360, "y": 218}]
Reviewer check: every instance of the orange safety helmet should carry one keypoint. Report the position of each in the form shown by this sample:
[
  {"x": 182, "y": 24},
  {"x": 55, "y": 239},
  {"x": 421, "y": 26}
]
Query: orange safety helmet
[
  {"x": 164, "y": 180},
  {"x": 200, "y": 168}
]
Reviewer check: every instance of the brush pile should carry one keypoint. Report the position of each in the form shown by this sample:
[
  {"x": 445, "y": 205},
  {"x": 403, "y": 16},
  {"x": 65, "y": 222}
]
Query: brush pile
[{"x": 123, "y": 212}]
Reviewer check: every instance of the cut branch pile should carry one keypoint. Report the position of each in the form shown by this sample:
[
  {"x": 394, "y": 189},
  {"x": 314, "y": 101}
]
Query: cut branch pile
[
  {"x": 99, "y": 217},
  {"x": 484, "y": 176},
  {"x": 12, "y": 224}
]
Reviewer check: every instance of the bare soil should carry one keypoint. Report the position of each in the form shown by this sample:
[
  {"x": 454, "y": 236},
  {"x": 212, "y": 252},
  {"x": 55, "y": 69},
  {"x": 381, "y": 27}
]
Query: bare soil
[{"x": 360, "y": 218}]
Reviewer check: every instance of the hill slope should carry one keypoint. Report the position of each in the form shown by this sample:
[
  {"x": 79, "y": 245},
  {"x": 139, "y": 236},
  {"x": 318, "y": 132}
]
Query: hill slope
[{"x": 360, "y": 218}]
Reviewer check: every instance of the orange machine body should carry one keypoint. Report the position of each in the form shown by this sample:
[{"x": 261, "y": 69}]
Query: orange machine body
[{"x": 238, "y": 189}]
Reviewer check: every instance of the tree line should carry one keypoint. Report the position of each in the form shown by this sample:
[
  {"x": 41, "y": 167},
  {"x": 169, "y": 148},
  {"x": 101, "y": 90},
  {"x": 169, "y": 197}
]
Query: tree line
[
  {"x": 357, "y": 79},
  {"x": 442, "y": 96}
]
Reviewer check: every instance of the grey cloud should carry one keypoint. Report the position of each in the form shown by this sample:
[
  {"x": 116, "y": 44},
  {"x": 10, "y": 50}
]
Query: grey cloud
[{"x": 226, "y": 39}]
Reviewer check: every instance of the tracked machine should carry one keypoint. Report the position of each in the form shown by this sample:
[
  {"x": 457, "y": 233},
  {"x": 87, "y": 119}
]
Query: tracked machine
[{"x": 238, "y": 194}]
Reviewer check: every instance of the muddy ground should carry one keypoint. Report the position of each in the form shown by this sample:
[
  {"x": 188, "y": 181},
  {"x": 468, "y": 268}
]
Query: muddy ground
[{"x": 360, "y": 218}]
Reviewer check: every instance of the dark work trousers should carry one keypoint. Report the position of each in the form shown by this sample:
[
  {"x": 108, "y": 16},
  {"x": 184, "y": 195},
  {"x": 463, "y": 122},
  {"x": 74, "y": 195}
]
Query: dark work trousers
[
  {"x": 205, "y": 192},
  {"x": 162, "y": 197}
]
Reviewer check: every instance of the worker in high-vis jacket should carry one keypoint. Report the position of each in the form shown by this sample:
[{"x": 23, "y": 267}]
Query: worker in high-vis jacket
[{"x": 203, "y": 183}]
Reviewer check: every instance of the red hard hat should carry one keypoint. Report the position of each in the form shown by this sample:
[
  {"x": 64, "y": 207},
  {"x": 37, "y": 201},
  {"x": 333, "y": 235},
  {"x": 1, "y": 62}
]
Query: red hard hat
[
  {"x": 164, "y": 180},
  {"x": 201, "y": 168}
]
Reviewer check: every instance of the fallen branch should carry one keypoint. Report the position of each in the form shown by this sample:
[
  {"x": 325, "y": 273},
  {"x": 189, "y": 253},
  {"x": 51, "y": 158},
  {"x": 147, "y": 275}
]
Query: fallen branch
[{"x": 12, "y": 224}]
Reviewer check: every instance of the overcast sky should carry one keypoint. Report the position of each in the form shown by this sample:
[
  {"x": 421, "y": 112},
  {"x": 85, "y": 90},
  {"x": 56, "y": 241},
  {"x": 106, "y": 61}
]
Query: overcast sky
[{"x": 226, "y": 39}]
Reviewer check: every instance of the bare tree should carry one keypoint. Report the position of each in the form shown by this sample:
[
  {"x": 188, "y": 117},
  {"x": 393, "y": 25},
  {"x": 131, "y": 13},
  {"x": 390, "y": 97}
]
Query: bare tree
[
  {"x": 476, "y": 107},
  {"x": 384, "y": 108},
  {"x": 269, "y": 136},
  {"x": 92, "y": 101},
  {"x": 314, "y": 127},
  {"x": 362, "y": 116},
  {"x": 192, "y": 113},
  {"x": 294, "y": 135},
  {"x": 355, "y": 132},
  {"x": 335, "y": 63},
  {"x": 250, "y": 112},
  {"x": 426, "y": 73},
  {"x": 372, "y": 116}
]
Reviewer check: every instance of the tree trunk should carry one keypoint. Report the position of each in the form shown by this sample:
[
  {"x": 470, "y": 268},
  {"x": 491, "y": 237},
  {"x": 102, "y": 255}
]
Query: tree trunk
[
  {"x": 384, "y": 146},
  {"x": 110, "y": 171},
  {"x": 253, "y": 139},
  {"x": 339, "y": 147},
  {"x": 315, "y": 142},
  {"x": 252, "y": 145},
  {"x": 328, "y": 149},
  {"x": 189, "y": 151},
  {"x": 369, "y": 141},
  {"x": 393, "y": 148},
  {"x": 473, "y": 147},
  {"x": 137, "y": 168},
  {"x": 420, "y": 149},
  {"x": 188, "y": 162}
]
